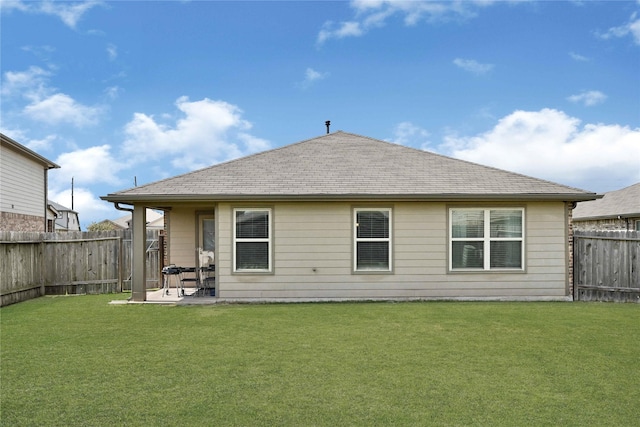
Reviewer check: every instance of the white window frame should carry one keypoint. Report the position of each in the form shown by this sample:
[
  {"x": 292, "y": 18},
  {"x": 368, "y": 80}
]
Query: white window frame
[
  {"x": 357, "y": 239},
  {"x": 268, "y": 240},
  {"x": 487, "y": 239}
]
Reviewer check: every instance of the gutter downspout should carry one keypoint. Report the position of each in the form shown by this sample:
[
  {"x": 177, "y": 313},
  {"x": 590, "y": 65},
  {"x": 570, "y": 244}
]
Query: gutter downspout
[{"x": 120, "y": 208}]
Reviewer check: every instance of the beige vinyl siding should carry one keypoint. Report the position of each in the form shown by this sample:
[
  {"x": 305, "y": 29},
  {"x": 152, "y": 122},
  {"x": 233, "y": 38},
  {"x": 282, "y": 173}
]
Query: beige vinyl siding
[
  {"x": 546, "y": 239},
  {"x": 182, "y": 229},
  {"x": 313, "y": 250},
  {"x": 22, "y": 190}
]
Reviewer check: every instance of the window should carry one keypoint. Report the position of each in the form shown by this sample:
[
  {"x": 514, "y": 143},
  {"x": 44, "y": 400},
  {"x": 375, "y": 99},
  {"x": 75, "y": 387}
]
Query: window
[
  {"x": 486, "y": 239},
  {"x": 207, "y": 238},
  {"x": 252, "y": 240},
  {"x": 372, "y": 235}
]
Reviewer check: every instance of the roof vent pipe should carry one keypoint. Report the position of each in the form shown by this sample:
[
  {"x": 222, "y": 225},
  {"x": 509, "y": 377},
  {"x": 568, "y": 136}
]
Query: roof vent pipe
[{"x": 327, "y": 124}]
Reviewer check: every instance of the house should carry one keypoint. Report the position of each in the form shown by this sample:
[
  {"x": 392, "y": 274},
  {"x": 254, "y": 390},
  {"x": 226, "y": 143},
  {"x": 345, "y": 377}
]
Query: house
[
  {"x": 52, "y": 215},
  {"x": 66, "y": 219},
  {"x": 343, "y": 217},
  {"x": 155, "y": 220},
  {"x": 616, "y": 210},
  {"x": 23, "y": 188}
]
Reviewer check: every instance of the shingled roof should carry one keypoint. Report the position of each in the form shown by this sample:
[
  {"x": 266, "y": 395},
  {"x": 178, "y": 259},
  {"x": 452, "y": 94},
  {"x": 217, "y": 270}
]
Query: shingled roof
[
  {"x": 342, "y": 165},
  {"x": 624, "y": 203}
]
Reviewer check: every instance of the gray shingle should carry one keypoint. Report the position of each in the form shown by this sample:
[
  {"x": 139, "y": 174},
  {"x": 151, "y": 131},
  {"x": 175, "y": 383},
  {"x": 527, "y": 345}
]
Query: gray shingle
[
  {"x": 341, "y": 165},
  {"x": 624, "y": 202}
]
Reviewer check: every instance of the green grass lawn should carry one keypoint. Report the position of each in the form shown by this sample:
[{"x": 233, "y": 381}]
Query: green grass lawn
[{"x": 80, "y": 361}]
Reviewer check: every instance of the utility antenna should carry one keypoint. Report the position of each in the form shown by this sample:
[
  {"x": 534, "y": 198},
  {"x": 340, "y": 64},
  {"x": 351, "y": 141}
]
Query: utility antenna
[{"x": 327, "y": 124}]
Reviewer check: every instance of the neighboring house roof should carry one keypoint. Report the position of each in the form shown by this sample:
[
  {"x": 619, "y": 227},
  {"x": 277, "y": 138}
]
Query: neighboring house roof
[
  {"x": 624, "y": 203},
  {"x": 66, "y": 218},
  {"x": 123, "y": 221},
  {"x": 154, "y": 219},
  {"x": 58, "y": 207},
  {"x": 52, "y": 209},
  {"x": 112, "y": 224},
  {"x": 16, "y": 146},
  {"x": 156, "y": 223},
  {"x": 342, "y": 165}
]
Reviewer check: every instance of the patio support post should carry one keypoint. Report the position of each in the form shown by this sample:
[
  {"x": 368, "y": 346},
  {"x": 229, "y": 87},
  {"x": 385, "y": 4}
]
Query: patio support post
[{"x": 139, "y": 254}]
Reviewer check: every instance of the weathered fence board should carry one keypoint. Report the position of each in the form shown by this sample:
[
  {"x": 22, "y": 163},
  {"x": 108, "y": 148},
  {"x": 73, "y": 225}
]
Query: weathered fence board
[
  {"x": 607, "y": 265},
  {"x": 153, "y": 261},
  {"x": 36, "y": 264}
]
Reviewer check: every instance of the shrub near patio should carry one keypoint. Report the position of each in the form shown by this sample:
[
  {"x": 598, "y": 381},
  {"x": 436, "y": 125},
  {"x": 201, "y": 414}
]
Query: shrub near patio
[{"x": 80, "y": 361}]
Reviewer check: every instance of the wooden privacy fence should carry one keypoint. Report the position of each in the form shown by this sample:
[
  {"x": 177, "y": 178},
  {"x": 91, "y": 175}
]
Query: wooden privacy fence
[
  {"x": 607, "y": 266},
  {"x": 36, "y": 264}
]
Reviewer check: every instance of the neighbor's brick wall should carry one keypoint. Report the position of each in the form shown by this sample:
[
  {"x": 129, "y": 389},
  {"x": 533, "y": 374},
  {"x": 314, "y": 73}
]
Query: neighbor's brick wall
[{"x": 20, "y": 222}]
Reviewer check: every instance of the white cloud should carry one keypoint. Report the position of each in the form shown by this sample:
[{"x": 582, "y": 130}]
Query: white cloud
[
  {"x": 253, "y": 143},
  {"x": 209, "y": 132},
  {"x": 588, "y": 98},
  {"x": 31, "y": 83},
  {"x": 578, "y": 57},
  {"x": 406, "y": 133},
  {"x": 45, "y": 104},
  {"x": 473, "y": 66},
  {"x": 370, "y": 14},
  {"x": 331, "y": 30},
  {"x": 69, "y": 12},
  {"x": 14, "y": 133},
  {"x": 311, "y": 76},
  {"x": 61, "y": 108},
  {"x": 43, "y": 52},
  {"x": 87, "y": 166},
  {"x": 39, "y": 145},
  {"x": 112, "y": 51},
  {"x": 9, "y": 5},
  {"x": 551, "y": 145},
  {"x": 631, "y": 28},
  {"x": 112, "y": 92}
]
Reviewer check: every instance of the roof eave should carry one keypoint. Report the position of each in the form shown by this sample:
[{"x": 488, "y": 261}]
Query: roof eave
[
  {"x": 16, "y": 146},
  {"x": 153, "y": 198},
  {"x": 611, "y": 216}
]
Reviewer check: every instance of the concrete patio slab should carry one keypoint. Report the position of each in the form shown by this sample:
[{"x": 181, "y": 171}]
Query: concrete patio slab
[{"x": 173, "y": 297}]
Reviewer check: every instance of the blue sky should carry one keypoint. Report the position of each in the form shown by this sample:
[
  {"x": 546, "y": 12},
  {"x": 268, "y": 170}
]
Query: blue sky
[{"x": 121, "y": 92}]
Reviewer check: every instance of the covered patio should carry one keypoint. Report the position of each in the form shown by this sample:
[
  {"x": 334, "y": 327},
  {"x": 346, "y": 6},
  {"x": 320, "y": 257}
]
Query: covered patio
[
  {"x": 189, "y": 260},
  {"x": 159, "y": 296}
]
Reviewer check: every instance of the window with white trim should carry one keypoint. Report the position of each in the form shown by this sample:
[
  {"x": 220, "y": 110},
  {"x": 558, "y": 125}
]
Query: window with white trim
[
  {"x": 486, "y": 239},
  {"x": 372, "y": 239},
  {"x": 252, "y": 240}
]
